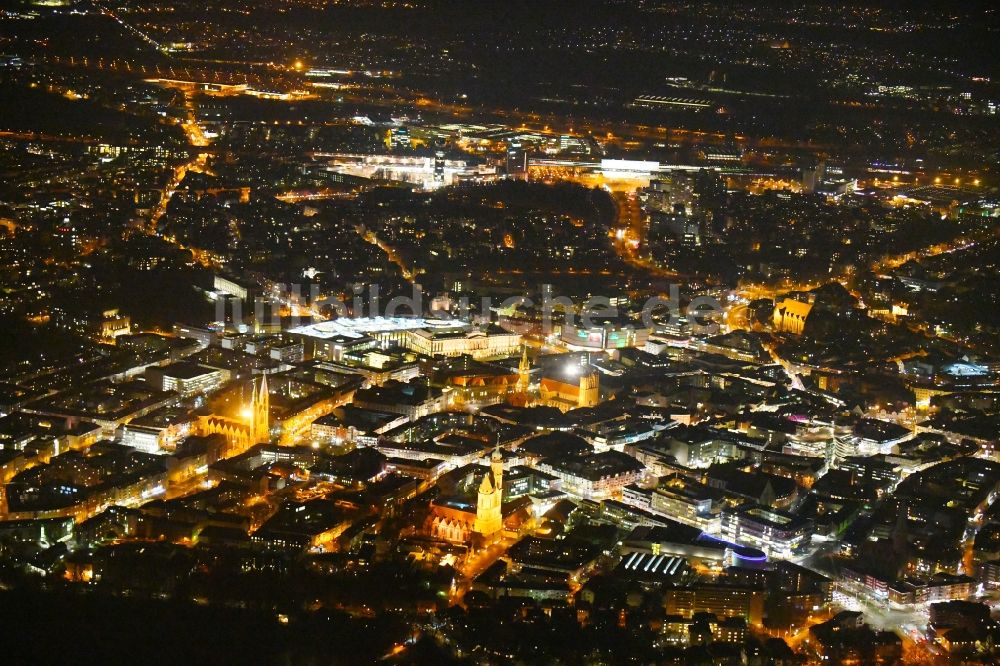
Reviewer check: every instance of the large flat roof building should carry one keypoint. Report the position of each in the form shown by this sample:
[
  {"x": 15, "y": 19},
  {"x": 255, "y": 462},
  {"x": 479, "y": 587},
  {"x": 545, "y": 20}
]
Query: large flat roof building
[{"x": 431, "y": 337}]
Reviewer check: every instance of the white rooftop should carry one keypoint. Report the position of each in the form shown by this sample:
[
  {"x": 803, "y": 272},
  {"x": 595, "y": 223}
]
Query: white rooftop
[{"x": 356, "y": 327}]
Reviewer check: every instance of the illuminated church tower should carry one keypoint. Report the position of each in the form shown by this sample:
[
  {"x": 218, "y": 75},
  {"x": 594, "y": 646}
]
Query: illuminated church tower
[
  {"x": 523, "y": 372},
  {"x": 590, "y": 390},
  {"x": 489, "y": 518},
  {"x": 521, "y": 396},
  {"x": 260, "y": 429}
]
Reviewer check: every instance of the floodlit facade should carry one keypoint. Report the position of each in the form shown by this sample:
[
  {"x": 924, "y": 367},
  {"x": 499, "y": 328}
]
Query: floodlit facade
[
  {"x": 431, "y": 337},
  {"x": 775, "y": 532}
]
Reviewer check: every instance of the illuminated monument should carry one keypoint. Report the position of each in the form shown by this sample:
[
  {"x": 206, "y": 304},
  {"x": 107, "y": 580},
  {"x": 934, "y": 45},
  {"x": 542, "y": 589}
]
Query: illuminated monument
[
  {"x": 790, "y": 315},
  {"x": 524, "y": 372},
  {"x": 489, "y": 517},
  {"x": 570, "y": 388},
  {"x": 521, "y": 397},
  {"x": 252, "y": 428},
  {"x": 458, "y": 520},
  {"x": 260, "y": 407},
  {"x": 565, "y": 388}
]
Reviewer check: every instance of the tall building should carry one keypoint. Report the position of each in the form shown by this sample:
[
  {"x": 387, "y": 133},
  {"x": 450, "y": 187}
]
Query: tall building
[
  {"x": 812, "y": 176},
  {"x": 517, "y": 158},
  {"x": 438, "y": 166},
  {"x": 521, "y": 396},
  {"x": 399, "y": 138},
  {"x": 489, "y": 518},
  {"x": 260, "y": 428},
  {"x": 671, "y": 191},
  {"x": 686, "y": 228},
  {"x": 523, "y": 371}
]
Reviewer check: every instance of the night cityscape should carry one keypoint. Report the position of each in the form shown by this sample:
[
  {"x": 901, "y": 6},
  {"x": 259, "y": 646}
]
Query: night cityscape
[{"x": 557, "y": 332}]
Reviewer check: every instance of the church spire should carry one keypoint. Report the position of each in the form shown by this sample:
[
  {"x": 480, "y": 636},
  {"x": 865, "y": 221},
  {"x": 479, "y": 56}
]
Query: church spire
[
  {"x": 489, "y": 511},
  {"x": 496, "y": 468},
  {"x": 520, "y": 396},
  {"x": 261, "y": 428},
  {"x": 524, "y": 367}
]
